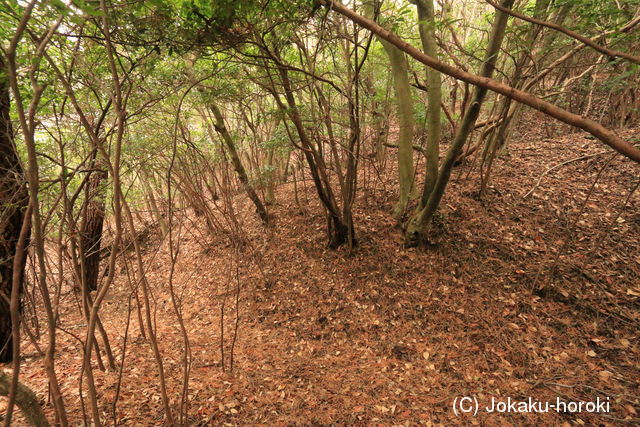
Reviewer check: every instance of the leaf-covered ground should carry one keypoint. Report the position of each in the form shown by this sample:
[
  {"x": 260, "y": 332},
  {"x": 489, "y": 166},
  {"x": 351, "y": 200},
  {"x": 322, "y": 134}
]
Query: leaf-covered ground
[{"x": 515, "y": 297}]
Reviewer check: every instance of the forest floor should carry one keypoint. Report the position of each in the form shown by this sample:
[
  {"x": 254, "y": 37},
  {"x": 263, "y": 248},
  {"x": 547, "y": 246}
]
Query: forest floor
[{"x": 515, "y": 297}]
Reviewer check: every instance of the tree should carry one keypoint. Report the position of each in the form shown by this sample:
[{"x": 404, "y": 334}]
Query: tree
[
  {"x": 13, "y": 193},
  {"x": 237, "y": 163},
  {"x": 404, "y": 110},
  {"x": 426, "y": 28},
  {"x": 416, "y": 227},
  {"x": 122, "y": 147}
]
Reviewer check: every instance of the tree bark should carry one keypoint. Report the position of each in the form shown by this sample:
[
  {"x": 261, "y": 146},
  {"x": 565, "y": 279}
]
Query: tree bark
[
  {"x": 404, "y": 105},
  {"x": 426, "y": 28},
  {"x": 14, "y": 197},
  {"x": 91, "y": 228}
]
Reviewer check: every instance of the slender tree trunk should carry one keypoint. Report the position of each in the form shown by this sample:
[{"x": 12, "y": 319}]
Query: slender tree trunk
[
  {"x": 337, "y": 229},
  {"x": 404, "y": 111},
  {"x": 14, "y": 201},
  {"x": 237, "y": 164},
  {"x": 416, "y": 228},
  {"x": 404, "y": 105},
  {"x": 270, "y": 197},
  {"x": 27, "y": 125},
  {"x": 498, "y": 137},
  {"x": 605, "y": 135},
  {"x": 152, "y": 205},
  {"x": 377, "y": 120},
  {"x": 426, "y": 28}
]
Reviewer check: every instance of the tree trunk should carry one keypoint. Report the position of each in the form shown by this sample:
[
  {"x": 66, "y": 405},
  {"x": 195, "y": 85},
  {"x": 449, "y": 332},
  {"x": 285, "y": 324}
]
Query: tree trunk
[
  {"x": 404, "y": 105},
  {"x": 339, "y": 232},
  {"x": 336, "y": 224},
  {"x": 498, "y": 137},
  {"x": 426, "y": 28},
  {"x": 91, "y": 227},
  {"x": 605, "y": 135},
  {"x": 404, "y": 110},
  {"x": 416, "y": 228},
  {"x": 270, "y": 197},
  {"x": 237, "y": 164},
  {"x": 14, "y": 197}
]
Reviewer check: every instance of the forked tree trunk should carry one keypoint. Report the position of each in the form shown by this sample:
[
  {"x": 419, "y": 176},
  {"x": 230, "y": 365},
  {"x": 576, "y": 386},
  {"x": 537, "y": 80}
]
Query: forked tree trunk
[
  {"x": 417, "y": 225},
  {"x": 14, "y": 201},
  {"x": 337, "y": 225},
  {"x": 404, "y": 111},
  {"x": 339, "y": 233},
  {"x": 498, "y": 137}
]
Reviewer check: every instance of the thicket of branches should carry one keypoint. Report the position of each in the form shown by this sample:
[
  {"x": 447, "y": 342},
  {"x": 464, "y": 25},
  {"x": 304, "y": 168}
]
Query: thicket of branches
[{"x": 117, "y": 118}]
